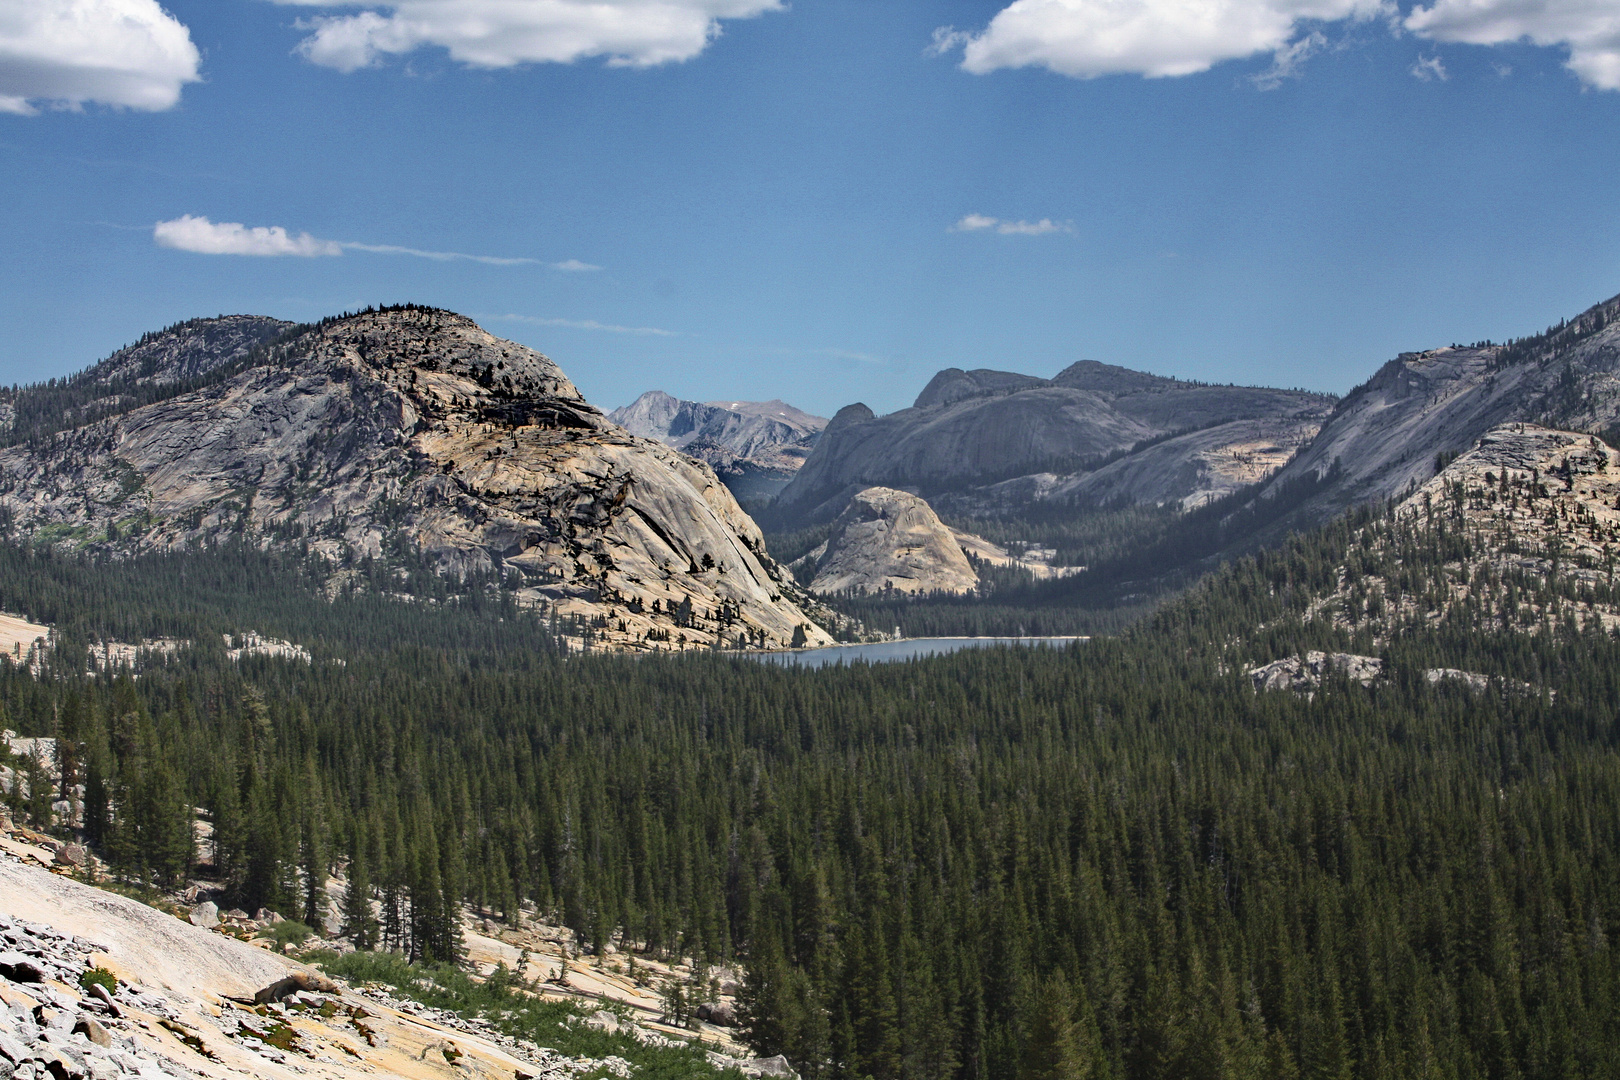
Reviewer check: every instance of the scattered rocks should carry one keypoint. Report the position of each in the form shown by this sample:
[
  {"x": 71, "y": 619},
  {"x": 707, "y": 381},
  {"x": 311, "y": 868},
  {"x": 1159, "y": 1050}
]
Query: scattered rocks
[
  {"x": 58, "y": 1039},
  {"x": 1305, "y": 674}
]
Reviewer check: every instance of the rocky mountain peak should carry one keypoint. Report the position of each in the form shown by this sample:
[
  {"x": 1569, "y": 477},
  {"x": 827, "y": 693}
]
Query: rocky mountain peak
[
  {"x": 451, "y": 356},
  {"x": 953, "y": 384},
  {"x": 414, "y": 429}
]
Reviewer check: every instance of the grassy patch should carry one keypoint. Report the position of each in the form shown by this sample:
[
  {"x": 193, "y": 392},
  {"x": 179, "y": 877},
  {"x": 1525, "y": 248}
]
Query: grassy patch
[{"x": 554, "y": 1024}]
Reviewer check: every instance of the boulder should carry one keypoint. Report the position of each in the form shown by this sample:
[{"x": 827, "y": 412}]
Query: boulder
[
  {"x": 19, "y": 968},
  {"x": 73, "y": 855},
  {"x": 294, "y": 983},
  {"x": 93, "y": 1031},
  {"x": 777, "y": 1066},
  {"x": 205, "y": 915},
  {"x": 718, "y": 1013}
]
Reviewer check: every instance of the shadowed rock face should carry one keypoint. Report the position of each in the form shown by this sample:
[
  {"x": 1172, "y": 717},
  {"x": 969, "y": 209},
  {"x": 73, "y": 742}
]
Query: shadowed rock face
[
  {"x": 888, "y": 539},
  {"x": 416, "y": 425},
  {"x": 969, "y": 430},
  {"x": 1385, "y": 435}
]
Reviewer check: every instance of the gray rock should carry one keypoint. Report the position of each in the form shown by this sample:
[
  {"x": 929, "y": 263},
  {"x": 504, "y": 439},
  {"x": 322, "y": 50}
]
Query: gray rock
[
  {"x": 1304, "y": 674},
  {"x": 777, "y": 1066},
  {"x": 19, "y": 968},
  {"x": 71, "y": 855},
  {"x": 888, "y": 539},
  {"x": 93, "y": 1031},
  {"x": 1384, "y": 436},
  {"x": 205, "y": 915}
]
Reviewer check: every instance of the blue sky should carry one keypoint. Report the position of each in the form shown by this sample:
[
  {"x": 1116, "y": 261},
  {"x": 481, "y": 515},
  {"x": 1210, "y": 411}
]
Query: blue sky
[{"x": 825, "y": 201}]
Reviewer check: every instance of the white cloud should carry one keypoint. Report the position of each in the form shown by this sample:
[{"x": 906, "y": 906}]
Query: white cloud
[
  {"x": 1429, "y": 69},
  {"x": 574, "y": 266},
  {"x": 501, "y": 33},
  {"x": 1155, "y": 38},
  {"x": 973, "y": 223},
  {"x": 204, "y": 237},
  {"x": 128, "y": 53},
  {"x": 1590, "y": 29},
  {"x": 979, "y": 222},
  {"x": 581, "y": 324},
  {"x": 1287, "y": 61}
]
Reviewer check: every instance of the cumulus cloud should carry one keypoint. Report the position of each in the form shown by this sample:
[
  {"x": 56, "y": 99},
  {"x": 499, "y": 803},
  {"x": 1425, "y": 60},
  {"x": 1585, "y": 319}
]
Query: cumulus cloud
[
  {"x": 501, "y": 33},
  {"x": 1589, "y": 29},
  {"x": 979, "y": 223},
  {"x": 205, "y": 237},
  {"x": 64, "y": 53},
  {"x": 1155, "y": 38}
]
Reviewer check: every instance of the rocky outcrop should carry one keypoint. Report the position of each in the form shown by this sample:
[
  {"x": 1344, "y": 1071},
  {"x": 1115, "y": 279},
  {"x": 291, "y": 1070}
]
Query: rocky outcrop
[
  {"x": 415, "y": 427},
  {"x": 1303, "y": 674},
  {"x": 1533, "y": 504},
  {"x": 888, "y": 539},
  {"x": 971, "y": 430},
  {"x": 755, "y": 447}
]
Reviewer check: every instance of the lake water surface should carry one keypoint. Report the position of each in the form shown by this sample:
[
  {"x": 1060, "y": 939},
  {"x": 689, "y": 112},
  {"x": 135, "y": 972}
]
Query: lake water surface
[{"x": 905, "y": 649}]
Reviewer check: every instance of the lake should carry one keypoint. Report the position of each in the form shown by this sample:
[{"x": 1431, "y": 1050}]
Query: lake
[{"x": 905, "y": 649}]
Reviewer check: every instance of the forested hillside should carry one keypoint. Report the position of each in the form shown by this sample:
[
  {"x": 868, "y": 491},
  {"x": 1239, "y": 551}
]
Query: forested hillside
[{"x": 1117, "y": 860}]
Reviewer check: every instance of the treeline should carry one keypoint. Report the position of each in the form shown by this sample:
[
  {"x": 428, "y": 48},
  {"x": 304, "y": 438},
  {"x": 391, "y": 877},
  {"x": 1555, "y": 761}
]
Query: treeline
[{"x": 1115, "y": 860}]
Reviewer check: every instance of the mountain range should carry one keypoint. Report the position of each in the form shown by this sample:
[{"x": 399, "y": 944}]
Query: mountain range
[
  {"x": 989, "y": 441},
  {"x": 754, "y": 446}
]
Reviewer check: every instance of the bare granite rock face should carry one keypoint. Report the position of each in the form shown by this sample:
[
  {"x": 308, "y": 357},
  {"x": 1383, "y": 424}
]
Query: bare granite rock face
[
  {"x": 755, "y": 447},
  {"x": 990, "y": 441},
  {"x": 1386, "y": 436},
  {"x": 414, "y": 425},
  {"x": 888, "y": 539}
]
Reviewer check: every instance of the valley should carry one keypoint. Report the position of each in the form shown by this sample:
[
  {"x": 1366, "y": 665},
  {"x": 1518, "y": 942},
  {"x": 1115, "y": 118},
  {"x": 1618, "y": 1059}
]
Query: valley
[{"x": 376, "y": 629}]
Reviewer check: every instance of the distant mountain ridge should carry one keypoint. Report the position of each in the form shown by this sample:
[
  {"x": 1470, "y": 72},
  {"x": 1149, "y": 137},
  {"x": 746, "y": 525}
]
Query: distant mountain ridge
[
  {"x": 970, "y": 430},
  {"x": 754, "y": 446}
]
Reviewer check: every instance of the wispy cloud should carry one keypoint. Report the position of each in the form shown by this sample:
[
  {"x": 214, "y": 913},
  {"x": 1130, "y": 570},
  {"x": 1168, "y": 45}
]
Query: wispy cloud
[
  {"x": 1287, "y": 61},
  {"x": 436, "y": 256},
  {"x": 574, "y": 266},
  {"x": 580, "y": 324},
  {"x": 1429, "y": 69},
  {"x": 980, "y": 223},
  {"x": 204, "y": 237}
]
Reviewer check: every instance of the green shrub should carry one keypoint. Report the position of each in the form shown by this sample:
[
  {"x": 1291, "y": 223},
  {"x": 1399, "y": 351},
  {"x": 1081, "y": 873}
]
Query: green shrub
[{"x": 98, "y": 976}]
